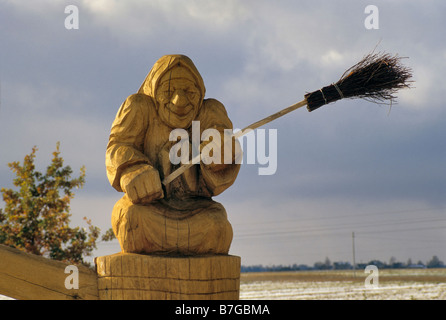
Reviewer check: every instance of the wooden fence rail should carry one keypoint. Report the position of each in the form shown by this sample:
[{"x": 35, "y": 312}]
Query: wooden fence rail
[{"x": 30, "y": 277}]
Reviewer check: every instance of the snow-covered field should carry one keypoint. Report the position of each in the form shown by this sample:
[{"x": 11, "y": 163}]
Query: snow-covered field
[
  {"x": 341, "y": 290},
  {"x": 426, "y": 284}
]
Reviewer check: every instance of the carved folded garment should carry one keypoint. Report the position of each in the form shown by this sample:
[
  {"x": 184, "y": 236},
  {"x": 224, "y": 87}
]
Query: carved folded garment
[
  {"x": 155, "y": 228},
  {"x": 186, "y": 220}
]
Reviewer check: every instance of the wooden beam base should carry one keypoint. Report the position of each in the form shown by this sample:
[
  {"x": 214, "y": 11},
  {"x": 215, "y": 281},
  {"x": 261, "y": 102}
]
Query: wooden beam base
[{"x": 128, "y": 276}]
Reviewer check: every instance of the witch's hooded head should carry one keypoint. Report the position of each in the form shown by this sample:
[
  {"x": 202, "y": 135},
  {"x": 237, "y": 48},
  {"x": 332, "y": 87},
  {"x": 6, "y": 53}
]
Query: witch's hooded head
[{"x": 178, "y": 89}]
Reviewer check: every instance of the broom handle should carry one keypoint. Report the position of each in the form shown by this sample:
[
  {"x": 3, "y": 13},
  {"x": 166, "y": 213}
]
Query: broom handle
[{"x": 237, "y": 135}]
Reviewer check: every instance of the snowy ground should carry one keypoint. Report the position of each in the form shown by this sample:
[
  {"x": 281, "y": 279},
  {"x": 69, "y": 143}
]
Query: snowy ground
[
  {"x": 341, "y": 290},
  {"x": 424, "y": 284}
]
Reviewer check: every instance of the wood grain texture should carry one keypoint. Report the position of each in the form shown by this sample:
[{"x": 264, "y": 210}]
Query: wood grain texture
[
  {"x": 127, "y": 276},
  {"x": 26, "y": 276}
]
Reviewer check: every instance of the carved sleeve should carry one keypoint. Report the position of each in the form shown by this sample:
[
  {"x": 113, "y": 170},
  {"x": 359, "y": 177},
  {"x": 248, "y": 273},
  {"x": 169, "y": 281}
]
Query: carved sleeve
[
  {"x": 214, "y": 115},
  {"x": 126, "y": 143}
]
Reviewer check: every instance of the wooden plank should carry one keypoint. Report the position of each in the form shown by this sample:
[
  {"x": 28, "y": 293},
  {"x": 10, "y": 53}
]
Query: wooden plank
[{"x": 30, "y": 277}]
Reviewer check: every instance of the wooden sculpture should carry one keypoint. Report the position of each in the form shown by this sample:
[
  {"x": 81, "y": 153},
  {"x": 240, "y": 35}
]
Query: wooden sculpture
[
  {"x": 167, "y": 207},
  {"x": 181, "y": 217}
]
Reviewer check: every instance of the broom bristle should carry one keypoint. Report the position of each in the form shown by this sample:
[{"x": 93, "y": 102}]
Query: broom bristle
[{"x": 376, "y": 78}]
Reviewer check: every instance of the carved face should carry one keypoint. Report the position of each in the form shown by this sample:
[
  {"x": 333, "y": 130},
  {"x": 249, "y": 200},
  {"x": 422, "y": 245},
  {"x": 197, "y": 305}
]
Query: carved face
[{"x": 178, "y": 98}]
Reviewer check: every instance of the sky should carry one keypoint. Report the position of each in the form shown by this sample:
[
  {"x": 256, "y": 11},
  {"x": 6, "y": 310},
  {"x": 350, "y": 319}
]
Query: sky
[{"x": 351, "y": 166}]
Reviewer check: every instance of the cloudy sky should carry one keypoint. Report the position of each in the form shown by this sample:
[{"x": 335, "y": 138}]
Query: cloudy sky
[{"x": 348, "y": 167}]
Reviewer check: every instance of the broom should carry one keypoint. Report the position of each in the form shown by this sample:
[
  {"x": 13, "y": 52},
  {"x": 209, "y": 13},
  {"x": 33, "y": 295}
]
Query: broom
[{"x": 376, "y": 78}]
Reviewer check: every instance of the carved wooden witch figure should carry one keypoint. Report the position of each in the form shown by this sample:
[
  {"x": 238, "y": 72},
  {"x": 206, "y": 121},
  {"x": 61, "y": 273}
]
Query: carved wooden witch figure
[{"x": 181, "y": 217}]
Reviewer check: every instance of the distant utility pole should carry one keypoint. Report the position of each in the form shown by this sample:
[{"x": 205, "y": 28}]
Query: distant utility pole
[{"x": 354, "y": 260}]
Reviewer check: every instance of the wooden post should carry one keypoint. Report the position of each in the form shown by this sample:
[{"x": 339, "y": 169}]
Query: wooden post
[
  {"x": 128, "y": 276},
  {"x": 354, "y": 259}
]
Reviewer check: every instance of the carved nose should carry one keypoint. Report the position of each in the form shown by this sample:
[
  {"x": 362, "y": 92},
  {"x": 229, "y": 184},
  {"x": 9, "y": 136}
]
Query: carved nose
[{"x": 179, "y": 98}]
